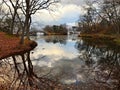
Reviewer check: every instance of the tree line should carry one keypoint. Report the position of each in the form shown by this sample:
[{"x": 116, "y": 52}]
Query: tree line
[
  {"x": 101, "y": 17},
  {"x": 56, "y": 30}
]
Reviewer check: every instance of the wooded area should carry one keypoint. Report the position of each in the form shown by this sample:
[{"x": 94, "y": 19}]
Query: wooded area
[
  {"x": 103, "y": 19},
  {"x": 18, "y": 17}
]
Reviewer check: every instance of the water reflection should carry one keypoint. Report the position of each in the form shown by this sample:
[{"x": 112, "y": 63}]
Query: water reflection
[
  {"x": 102, "y": 61},
  {"x": 77, "y": 61},
  {"x": 56, "y": 39},
  {"x": 53, "y": 52}
]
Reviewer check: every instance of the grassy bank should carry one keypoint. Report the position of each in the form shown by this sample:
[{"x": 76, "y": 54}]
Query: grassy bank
[
  {"x": 114, "y": 38},
  {"x": 10, "y": 45},
  {"x": 99, "y": 36}
]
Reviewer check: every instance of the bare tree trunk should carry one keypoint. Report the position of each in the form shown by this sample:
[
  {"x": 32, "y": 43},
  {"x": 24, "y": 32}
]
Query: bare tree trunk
[
  {"x": 16, "y": 67},
  {"x": 22, "y": 37},
  {"x": 30, "y": 66},
  {"x": 12, "y": 23},
  {"x": 28, "y": 23}
]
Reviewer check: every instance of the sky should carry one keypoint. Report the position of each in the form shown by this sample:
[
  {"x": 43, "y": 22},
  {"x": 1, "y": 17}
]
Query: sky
[{"x": 65, "y": 12}]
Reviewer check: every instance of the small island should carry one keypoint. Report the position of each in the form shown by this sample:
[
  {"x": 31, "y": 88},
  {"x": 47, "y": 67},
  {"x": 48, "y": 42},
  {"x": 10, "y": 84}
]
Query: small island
[{"x": 55, "y": 30}]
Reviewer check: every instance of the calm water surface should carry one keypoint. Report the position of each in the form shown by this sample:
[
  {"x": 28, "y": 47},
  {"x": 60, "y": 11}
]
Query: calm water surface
[{"x": 75, "y": 61}]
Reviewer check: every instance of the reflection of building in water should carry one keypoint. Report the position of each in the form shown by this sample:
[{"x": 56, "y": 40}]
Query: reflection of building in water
[{"x": 56, "y": 39}]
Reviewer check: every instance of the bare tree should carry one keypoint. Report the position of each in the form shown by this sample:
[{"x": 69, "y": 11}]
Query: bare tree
[
  {"x": 108, "y": 14},
  {"x": 110, "y": 11},
  {"x": 89, "y": 18},
  {"x": 12, "y": 12},
  {"x": 30, "y": 7},
  {"x": 27, "y": 8}
]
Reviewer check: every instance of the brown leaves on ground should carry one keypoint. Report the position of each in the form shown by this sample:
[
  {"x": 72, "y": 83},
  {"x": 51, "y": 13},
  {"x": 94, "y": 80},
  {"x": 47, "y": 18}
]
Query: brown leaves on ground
[{"x": 10, "y": 45}]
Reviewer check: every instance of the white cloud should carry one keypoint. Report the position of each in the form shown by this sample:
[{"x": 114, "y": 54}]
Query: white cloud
[
  {"x": 68, "y": 11},
  {"x": 63, "y": 14},
  {"x": 77, "y": 2}
]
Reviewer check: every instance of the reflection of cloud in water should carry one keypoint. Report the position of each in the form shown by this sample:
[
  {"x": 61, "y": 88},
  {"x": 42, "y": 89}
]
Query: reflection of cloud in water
[
  {"x": 63, "y": 58},
  {"x": 53, "y": 52},
  {"x": 93, "y": 64},
  {"x": 72, "y": 71},
  {"x": 69, "y": 71}
]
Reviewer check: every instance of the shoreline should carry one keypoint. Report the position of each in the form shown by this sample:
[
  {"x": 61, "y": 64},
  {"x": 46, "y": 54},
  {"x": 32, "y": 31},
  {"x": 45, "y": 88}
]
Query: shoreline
[
  {"x": 114, "y": 38},
  {"x": 10, "y": 45}
]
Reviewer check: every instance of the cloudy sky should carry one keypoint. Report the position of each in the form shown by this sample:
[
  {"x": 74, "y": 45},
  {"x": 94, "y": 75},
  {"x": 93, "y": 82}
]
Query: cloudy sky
[
  {"x": 64, "y": 12},
  {"x": 67, "y": 11}
]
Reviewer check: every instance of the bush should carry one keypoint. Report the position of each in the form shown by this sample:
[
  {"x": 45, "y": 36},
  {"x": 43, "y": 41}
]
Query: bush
[{"x": 55, "y": 30}]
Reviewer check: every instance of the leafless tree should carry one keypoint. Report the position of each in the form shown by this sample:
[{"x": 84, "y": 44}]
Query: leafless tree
[
  {"x": 26, "y": 8},
  {"x": 30, "y": 7},
  {"x": 108, "y": 12}
]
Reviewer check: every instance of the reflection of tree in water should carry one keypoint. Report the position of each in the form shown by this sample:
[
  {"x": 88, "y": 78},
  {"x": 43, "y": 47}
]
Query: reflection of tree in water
[
  {"x": 21, "y": 76},
  {"x": 100, "y": 69},
  {"x": 104, "y": 61},
  {"x": 56, "y": 39}
]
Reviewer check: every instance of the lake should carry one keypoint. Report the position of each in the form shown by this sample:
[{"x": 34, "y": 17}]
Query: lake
[{"x": 73, "y": 60}]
